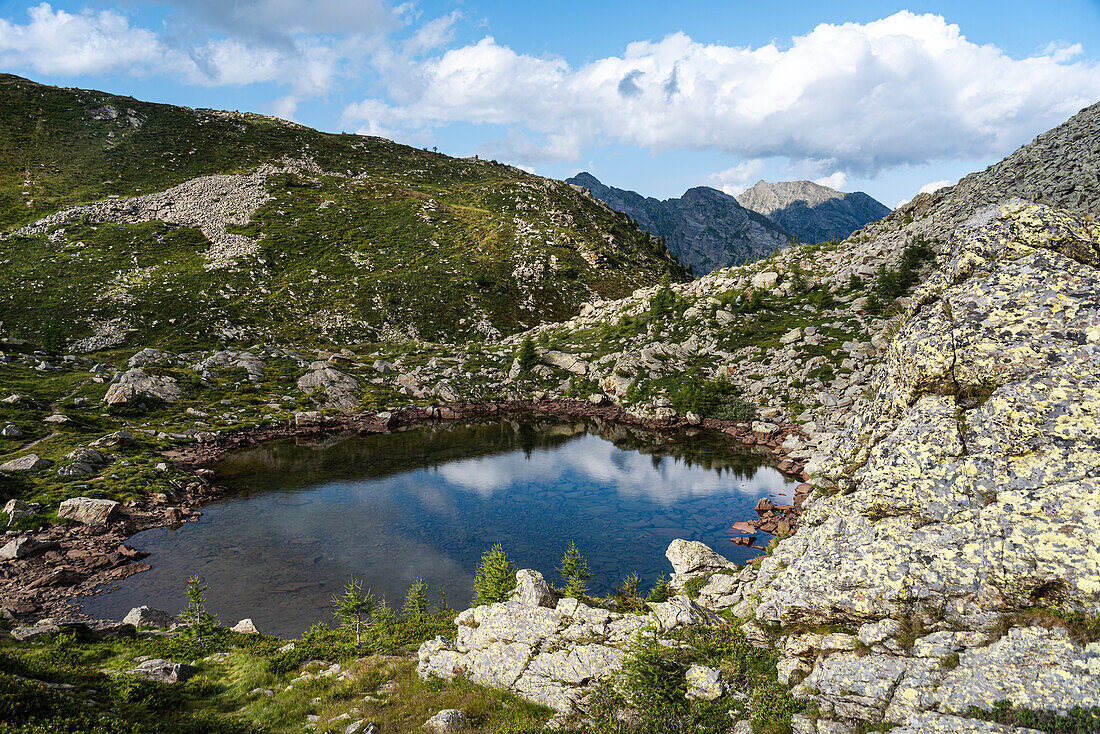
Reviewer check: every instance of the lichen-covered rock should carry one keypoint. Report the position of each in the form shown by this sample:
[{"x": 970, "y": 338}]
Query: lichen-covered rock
[
  {"x": 547, "y": 652},
  {"x": 933, "y": 723},
  {"x": 532, "y": 590},
  {"x": 341, "y": 390},
  {"x": 967, "y": 489},
  {"x": 704, "y": 683}
]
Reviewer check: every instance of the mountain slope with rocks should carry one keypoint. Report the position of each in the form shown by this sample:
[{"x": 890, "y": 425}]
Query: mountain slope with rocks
[
  {"x": 934, "y": 378},
  {"x": 811, "y": 212},
  {"x": 154, "y": 224},
  {"x": 705, "y": 228}
]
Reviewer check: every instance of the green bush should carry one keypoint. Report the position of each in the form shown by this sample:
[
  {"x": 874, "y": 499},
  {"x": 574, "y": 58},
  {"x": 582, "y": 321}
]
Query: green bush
[
  {"x": 1075, "y": 721},
  {"x": 718, "y": 399},
  {"x": 653, "y": 681},
  {"x": 663, "y": 300},
  {"x": 526, "y": 355},
  {"x": 893, "y": 283}
]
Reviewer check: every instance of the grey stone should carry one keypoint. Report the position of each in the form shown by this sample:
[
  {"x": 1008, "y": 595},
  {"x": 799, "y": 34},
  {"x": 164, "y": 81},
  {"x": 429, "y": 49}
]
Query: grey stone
[
  {"x": 148, "y": 617},
  {"x": 24, "y": 547},
  {"x": 245, "y": 626},
  {"x": 446, "y": 721},
  {"x": 111, "y": 440},
  {"x": 164, "y": 671},
  {"x": 30, "y": 462},
  {"x": 532, "y": 590},
  {"x": 87, "y": 510}
]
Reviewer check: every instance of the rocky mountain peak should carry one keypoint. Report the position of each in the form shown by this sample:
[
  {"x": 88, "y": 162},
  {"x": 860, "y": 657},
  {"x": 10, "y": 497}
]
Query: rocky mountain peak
[
  {"x": 705, "y": 228},
  {"x": 810, "y": 211}
]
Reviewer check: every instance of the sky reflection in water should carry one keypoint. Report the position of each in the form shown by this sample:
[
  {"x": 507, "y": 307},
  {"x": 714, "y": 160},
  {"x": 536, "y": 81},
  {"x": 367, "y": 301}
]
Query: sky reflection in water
[{"x": 427, "y": 503}]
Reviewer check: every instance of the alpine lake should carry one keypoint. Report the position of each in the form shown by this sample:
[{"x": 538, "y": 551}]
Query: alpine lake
[{"x": 304, "y": 516}]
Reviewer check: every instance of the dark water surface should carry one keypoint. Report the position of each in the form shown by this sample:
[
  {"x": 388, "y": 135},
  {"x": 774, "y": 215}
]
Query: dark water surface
[{"x": 306, "y": 516}]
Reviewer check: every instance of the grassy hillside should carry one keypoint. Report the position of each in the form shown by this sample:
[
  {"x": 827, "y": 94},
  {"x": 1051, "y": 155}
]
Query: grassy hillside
[{"x": 362, "y": 238}]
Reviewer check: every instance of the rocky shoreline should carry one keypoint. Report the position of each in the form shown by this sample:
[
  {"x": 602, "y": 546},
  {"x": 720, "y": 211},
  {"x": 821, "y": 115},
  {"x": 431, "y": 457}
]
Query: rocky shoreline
[{"x": 59, "y": 564}]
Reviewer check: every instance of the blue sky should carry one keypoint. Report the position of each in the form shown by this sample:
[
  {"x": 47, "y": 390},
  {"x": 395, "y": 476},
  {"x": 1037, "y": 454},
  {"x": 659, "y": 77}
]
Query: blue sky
[{"x": 657, "y": 97}]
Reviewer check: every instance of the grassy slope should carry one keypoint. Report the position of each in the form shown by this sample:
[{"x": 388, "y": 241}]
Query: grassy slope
[{"x": 414, "y": 243}]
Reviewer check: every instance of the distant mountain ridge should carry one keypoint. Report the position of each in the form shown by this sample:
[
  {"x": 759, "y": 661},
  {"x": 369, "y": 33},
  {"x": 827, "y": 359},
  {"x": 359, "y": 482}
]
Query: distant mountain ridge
[
  {"x": 812, "y": 212},
  {"x": 705, "y": 228}
]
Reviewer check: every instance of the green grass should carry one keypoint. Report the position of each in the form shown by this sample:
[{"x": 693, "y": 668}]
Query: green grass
[
  {"x": 219, "y": 698},
  {"x": 395, "y": 241}
]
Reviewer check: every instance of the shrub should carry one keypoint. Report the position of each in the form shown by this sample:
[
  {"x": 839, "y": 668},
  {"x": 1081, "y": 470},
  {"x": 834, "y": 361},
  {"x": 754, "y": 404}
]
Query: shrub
[
  {"x": 526, "y": 355},
  {"x": 626, "y": 594},
  {"x": 719, "y": 399},
  {"x": 495, "y": 579},
  {"x": 652, "y": 680},
  {"x": 893, "y": 283},
  {"x": 660, "y": 591},
  {"x": 663, "y": 299}
]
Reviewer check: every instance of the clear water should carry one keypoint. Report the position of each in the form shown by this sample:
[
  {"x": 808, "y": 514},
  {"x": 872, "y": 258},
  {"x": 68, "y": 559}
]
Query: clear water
[{"x": 305, "y": 516}]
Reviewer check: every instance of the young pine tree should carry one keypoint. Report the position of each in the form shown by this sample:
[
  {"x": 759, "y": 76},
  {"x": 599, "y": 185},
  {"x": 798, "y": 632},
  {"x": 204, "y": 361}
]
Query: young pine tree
[
  {"x": 663, "y": 299},
  {"x": 495, "y": 579},
  {"x": 201, "y": 625},
  {"x": 354, "y": 607},
  {"x": 574, "y": 570},
  {"x": 526, "y": 355},
  {"x": 416, "y": 601}
]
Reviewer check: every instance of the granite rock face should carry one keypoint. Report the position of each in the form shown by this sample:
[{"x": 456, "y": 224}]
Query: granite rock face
[
  {"x": 811, "y": 212},
  {"x": 968, "y": 490}
]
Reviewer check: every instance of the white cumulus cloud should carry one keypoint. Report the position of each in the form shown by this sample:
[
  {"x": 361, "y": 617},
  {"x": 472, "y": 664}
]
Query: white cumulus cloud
[{"x": 906, "y": 89}]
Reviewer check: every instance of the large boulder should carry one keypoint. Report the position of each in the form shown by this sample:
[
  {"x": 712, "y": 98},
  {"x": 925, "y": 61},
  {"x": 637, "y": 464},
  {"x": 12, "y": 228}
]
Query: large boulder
[
  {"x": 691, "y": 559},
  {"x": 18, "y": 509},
  {"x": 30, "y": 462},
  {"x": 532, "y": 590},
  {"x": 111, "y": 440},
  {"x": 341, "y": 390},
  {"x": 87, "y": 510},
  {"x": 24, "y": 547},
  {"x": 963, "y": 493},
  {"x": 446, "y": 721},
  {"x": 164, "y": 671},
  {"x": 148, "y": 617},
  {"x": 554, "y": 656},
  {"x": 134, "y": 385}
]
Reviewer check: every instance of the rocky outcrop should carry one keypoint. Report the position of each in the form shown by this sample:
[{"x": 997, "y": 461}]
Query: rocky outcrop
[
  {"x": 966, "y": 491},
  {"x": 340, "y": 389},
  {"x": 812, "y": 212},
  {"x": 135, "y": 385},
  {"x": 548, "y": 651},
  {"x": 705, "y": 228}
]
